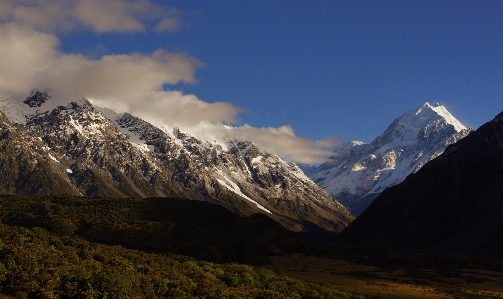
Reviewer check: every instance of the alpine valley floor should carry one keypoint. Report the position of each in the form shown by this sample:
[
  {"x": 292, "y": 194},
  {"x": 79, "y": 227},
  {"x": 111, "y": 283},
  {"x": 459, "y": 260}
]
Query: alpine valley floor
[{"x": 378, "y": 274}]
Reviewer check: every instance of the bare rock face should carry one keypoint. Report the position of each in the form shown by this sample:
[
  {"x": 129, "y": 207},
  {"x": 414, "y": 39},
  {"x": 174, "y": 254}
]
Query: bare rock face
[
  {"x": 27, "y": 166},
  {"x": 452, "y": 203},
  {"x": 102, "y": 153},
  {"x": 37, "y": 98},
  {"x": 358, "y": 172}
]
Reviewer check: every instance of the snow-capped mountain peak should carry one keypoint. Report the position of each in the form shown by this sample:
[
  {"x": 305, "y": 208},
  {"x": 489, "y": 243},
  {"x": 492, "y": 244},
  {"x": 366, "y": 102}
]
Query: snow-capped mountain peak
[
  {"x": 432, "y": 113},
  {"x": 358, "y": 172}
]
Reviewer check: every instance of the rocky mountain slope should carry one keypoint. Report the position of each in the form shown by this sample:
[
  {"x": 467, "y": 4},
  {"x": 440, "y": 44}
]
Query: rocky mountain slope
[
  {"x": 102, "y": 153},
  {"x": 454, "y": 202},
  {"x": 27, "y": 166},
  {"x": 237, "y": 175},
  {"x": 358, "y": 172}
]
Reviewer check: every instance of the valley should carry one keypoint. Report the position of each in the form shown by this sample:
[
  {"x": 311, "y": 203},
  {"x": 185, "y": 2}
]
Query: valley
[
  {"x": 251, "y": 149},
  {"x": 397, "y": 277},
  {"x": 230, "y": 220},
  {"x": 205, "y": 250}
]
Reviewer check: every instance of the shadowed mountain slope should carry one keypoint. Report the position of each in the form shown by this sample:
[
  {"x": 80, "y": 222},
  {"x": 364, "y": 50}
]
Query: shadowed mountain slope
[
  {"x": 162, "y": 225},
  {"x": 453, "y": 203}
]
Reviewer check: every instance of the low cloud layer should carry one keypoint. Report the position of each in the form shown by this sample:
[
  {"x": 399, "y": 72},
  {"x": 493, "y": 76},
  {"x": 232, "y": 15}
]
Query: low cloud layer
[
  {"x": 281, "y": 141},
  {"x": 30, "y": 59},
  {"x": 284, "y": 143}
]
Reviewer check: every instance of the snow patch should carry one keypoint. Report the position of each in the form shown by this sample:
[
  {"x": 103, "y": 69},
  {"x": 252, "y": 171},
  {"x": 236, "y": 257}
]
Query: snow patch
[
  {"x": 257, "y": 159},
  {"x": 109, "y": 114},
  {"x": 144, "y": 147},
  {"x": 357, "y": 167},
  {"x": 52, "y": 158},
  {"x": 113, "y": 116},
  {"x": 235, "y": 188},
  {"x": 272, "y": 160},
  {"x": 442, "y": 111},
  {"x": 76, "y": 125},
  {"x": 13, "y": 110}
]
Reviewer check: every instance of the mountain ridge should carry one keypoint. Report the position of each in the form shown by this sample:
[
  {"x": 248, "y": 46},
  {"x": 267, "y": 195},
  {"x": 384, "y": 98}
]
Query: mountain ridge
[{"x": 120, "y": 155}]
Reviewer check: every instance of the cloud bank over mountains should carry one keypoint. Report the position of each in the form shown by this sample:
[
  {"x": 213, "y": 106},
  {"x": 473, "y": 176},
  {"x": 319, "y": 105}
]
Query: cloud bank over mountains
[{"x": 134, "y": 83}]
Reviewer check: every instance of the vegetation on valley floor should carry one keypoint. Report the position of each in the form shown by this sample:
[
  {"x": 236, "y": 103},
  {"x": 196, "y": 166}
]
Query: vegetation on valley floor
[
  {"x": 78, "y": 247},
  {"x": 161, "y": 225},
  {"x": 43, "y": 253},
  {"x": 37, "y": 264}
]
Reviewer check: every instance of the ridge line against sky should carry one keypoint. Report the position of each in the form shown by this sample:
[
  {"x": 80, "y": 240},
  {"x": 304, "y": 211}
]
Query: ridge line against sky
[{"x": 276, "y": 70}]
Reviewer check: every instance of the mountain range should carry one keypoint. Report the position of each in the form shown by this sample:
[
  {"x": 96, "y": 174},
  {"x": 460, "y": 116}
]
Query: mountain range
[
  {"x": 80, "y": 149},
  {"x": 358, "y": 172}
]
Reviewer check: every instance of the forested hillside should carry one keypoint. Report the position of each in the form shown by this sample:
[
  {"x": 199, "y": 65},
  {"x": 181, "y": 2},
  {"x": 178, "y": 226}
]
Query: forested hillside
[
  {"x": 44, "y": 252},
  {"x": 197, "y": 229}
]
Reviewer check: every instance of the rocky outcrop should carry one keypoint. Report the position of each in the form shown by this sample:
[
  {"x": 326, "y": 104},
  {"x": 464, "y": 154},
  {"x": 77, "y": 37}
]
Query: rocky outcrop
[{"x": 99, "y": 158}]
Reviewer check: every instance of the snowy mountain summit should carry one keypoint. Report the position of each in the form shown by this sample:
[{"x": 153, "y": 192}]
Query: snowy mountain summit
[
  {"x": 358, "y": 172},
  {"x": 81, "y": 149}
]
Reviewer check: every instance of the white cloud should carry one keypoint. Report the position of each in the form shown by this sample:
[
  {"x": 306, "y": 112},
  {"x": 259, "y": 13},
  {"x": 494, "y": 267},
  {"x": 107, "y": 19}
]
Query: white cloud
[
  {"x": 108, "y": 15},
  {"x": 46, "y": 15},
  {"x": 168, "y": 25},
  {"x": 128, "y": 83},
  {"x": 102, "y": 16},
  {"x": 30, "y": 59},
  {"x": 24, "y": 53},
  {"x": 281, "y": 141},
  {"x": 174, "y": 109}
]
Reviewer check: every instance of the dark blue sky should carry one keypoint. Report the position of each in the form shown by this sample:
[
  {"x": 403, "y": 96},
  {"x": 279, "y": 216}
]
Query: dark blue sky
[
  {"x": 343, "y": 68},
  {"x": 339, "y": 68},
  {"x": 348, "y": 68}
]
